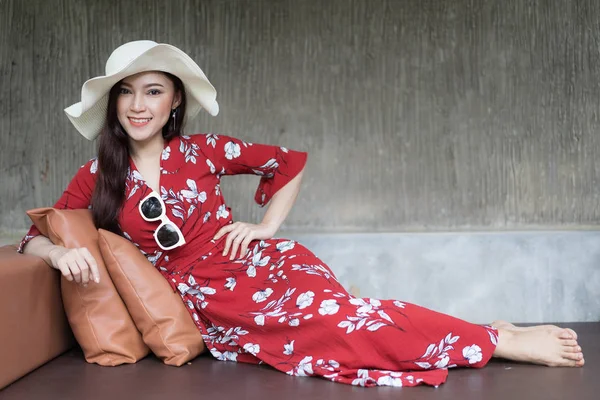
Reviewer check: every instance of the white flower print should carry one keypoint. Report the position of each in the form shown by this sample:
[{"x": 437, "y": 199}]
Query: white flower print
[
  {"x": 175, "y": 200},
  {"x": 134, "y": 180},
  {"x": 154, "y": 258},
  {"x": 222, "y": 212},
  {"x": 368, "y": 315},
  {"x": 294, "y": 322},
  {"x": 274, "y": 309},
  {"x": 232, "y": 150},
  {"x": 285, "y": 150},
  {"x": 166, "y": 153},
  {"x": 259, "y": 320},
  {"x": 285, "y": 246},
  {"x": 399, "y": 304},
  {"x": 439, "y": 351},
  {"x": 305, "y": 299},
  {"x": 288, "y": 348},
  {"x": 363, "y": 378},
  {"x": 472, "y": 353},
  {"x": 211, "y": 166},
  {"x": 190, "y": 150},
  {"x": 231, "y": 282},
  {"x": 329, "y": 307},
  {"x": 211, "y": 139},
  {"x": 423, "y": 364},
  {"x": 253, "y": 349},
  {"x": 330, "y": 365},
  {"x": 94, "y": 166},
  {"x": 192, "y": 288},
  {"x": 257, "y": 261},
  {"x": 314, "y": 270},
  {"x": 230, "y": 337},
  {"x": 365, "y": 307},
  {"x": 442, "y": 362},
  {"x": 270, "y": 165},
  {"x": 262, "y": 295},
  {"x": 217, "y": 189},
  {"x": 304, "y": 368},
  {"x": 493, "y": 336},
  {"x": 206, "y": 217},
  {"x": 193, "y": 195},
  {"x": 225, "y": 356},
  {"x": 388, "y": 380}
]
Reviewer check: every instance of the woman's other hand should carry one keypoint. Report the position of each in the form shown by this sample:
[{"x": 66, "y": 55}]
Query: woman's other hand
[
  {"x": 75, "y": 264},
  {"x": 240, "y": 234}
]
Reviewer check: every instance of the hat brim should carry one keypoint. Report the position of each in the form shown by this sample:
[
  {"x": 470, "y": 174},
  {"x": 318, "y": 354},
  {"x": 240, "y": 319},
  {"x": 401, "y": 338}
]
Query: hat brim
[{"x": 89, "y": 115}]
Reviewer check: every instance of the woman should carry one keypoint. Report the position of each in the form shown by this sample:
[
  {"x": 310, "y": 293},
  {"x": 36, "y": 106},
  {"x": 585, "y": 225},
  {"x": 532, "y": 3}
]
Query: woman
[{"x": 254, "y": 298}]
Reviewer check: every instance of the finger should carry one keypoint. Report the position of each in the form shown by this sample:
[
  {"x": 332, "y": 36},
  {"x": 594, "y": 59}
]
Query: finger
[
  {"x": 236, "y": 244},
  {"x": 224, "y": 230},
  {"x": 83, "y": 268},
  {"x": 65, "y": 271},
  {"x": 89, "y": 258},
  {"x": 229, "y": 241},
  {"x": 245, "y": 244},
  {"x": 75, "y": 271}
]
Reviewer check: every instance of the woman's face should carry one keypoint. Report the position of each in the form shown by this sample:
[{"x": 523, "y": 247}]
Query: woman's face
[{"x": 145, "y": 103}]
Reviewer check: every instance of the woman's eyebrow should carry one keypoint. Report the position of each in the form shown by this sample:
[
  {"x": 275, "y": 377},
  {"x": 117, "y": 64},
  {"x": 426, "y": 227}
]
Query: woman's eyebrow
[{"x": 145, "y": 86}]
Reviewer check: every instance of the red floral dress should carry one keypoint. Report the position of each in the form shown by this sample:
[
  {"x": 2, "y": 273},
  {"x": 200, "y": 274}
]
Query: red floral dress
[{"x": 280, "y": 304}]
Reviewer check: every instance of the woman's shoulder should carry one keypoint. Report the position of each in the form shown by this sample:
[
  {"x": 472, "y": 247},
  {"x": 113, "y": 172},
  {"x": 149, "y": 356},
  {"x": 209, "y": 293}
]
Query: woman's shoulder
[{"x": 90, "y": 167}]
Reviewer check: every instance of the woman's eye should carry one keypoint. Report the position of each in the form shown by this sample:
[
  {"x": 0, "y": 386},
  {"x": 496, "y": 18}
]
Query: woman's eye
[
  {"x": 154, "y": 92},
  {"x": 123, "y": 91}
]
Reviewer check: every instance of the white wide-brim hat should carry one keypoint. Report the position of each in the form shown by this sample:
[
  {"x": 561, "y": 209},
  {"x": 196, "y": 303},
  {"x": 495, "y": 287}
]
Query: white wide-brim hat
[{"x": 89, "y": 115}]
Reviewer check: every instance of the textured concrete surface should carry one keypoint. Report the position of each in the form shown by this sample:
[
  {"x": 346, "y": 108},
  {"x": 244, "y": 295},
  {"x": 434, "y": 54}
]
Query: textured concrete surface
[
  {"x": 418, "y": 115},
  {"x": 524, "y": 277}
]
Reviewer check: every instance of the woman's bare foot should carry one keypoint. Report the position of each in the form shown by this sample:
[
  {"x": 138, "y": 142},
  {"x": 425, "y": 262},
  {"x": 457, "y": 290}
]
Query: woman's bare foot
[
  {"x": 507, "y": 325},
  {"x": 551, "y": 346}
]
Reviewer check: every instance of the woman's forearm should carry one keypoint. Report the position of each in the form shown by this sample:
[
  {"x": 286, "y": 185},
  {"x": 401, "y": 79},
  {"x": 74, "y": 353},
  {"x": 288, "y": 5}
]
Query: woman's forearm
[
  {"x": 282, "y": 202},
  {"x": 40, "y": 246}
]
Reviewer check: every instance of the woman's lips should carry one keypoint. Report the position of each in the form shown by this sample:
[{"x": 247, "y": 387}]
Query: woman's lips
[{"x": 139, "y": 122}]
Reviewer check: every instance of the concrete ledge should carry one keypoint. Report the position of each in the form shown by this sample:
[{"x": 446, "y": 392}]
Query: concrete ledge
[{"x": 536, "y": 276}]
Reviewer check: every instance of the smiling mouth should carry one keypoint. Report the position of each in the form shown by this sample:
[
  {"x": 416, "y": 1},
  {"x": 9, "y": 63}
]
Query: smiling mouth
[{"x": 140, "y": 120}]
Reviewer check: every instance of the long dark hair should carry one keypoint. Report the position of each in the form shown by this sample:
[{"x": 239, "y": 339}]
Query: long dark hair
[{"x": 113, "y": 159}]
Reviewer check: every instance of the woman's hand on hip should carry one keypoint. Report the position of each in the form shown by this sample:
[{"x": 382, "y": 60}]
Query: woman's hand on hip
[
  {"x": 75, "y": 264},
  {"x": 240, "y": 234}
]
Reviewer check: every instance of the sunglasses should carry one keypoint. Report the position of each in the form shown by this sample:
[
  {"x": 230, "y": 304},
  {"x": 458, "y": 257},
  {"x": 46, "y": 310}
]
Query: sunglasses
[{"x": 167, "y": 235}]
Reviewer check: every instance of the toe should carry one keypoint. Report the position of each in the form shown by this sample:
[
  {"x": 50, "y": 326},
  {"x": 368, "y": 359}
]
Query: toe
[
  {"x": 580, "y": 363},
  {"x": 572, "y": 332},
  {"x": 569, "y": 342},
  {"x": 572, "y": 356},
  {"x": 565, "y": 334},
  {"x": 572, "y": 349}
]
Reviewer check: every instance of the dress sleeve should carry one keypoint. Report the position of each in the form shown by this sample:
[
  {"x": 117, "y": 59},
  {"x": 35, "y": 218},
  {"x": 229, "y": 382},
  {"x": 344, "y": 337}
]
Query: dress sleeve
[
  {"x": 78, "y": 194},
  {"x": 276, "y": 165}
]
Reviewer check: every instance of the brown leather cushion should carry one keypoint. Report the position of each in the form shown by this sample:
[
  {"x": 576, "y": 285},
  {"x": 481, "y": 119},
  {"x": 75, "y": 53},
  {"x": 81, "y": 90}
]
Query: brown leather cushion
[
  {"x": 98, "y": 317},
  {"x": 159, "y": 313},
  {"x": 33, "y": 326}
]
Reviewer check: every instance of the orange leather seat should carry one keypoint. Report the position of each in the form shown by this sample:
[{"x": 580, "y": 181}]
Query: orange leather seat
[{"x": 33, "y": 325}]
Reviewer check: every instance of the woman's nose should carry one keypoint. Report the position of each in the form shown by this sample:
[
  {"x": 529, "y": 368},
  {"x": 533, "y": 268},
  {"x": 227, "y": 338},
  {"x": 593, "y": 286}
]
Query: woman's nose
[{"x": 137, "y": 103}]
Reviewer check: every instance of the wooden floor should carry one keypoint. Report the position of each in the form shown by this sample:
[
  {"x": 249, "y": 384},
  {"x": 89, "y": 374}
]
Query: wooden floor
[{"x": 70, "y": 377}]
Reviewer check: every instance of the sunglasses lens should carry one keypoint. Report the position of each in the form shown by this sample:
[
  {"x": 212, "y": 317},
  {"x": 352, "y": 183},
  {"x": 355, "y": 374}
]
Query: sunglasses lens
[
  {"x": 167, "y": 236},
  {"x": 151, "y": 208}
]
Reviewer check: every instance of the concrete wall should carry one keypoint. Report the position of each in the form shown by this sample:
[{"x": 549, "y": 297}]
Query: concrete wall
[{"x": 419, "y": 115}]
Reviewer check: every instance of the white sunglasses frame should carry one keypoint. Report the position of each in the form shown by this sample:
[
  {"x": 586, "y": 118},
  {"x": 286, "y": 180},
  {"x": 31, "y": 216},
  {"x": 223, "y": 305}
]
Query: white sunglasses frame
[{"x": 164, "y": 221}]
